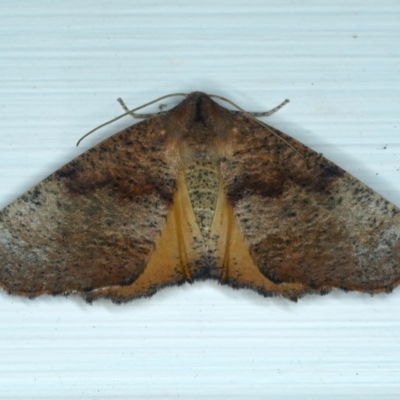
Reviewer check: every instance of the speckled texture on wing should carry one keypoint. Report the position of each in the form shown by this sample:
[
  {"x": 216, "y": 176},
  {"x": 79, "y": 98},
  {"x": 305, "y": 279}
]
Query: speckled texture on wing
[
  {"x": 94, "y": 222},
  {"x": 311, "y": 224}
]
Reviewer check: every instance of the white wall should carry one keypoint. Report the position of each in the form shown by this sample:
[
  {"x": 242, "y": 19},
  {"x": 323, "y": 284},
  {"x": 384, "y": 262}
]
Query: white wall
[{"x": 62, "y": 66}]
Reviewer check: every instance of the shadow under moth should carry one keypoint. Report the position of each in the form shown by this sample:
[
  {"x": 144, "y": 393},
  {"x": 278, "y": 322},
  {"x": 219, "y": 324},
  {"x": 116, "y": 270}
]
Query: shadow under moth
[{"x": 199, "y": 192}]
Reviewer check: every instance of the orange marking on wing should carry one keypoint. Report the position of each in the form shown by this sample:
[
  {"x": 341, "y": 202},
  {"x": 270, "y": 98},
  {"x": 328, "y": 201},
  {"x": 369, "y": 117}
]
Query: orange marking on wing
[
  {"x": 238, "y": 267},
  {"x": 175, "y": 250}
]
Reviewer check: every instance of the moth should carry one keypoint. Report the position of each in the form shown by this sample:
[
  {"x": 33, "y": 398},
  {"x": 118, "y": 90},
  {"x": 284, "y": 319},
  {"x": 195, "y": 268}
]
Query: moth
[{"x": 199, "y": 192}]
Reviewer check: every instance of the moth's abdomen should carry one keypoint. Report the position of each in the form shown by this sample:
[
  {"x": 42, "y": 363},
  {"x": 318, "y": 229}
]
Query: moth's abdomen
[{"x": 202, "y": 182}]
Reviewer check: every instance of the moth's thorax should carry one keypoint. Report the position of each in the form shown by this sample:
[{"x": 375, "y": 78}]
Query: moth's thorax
[
  {"x": 198, "y": 123},
  {"x": 202, "y": 182}
]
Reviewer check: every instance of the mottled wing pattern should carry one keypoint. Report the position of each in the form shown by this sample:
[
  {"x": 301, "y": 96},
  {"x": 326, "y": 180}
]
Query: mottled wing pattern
[
  {"x": 310, "y": 224},
  {"x": 95, "y": 222}
]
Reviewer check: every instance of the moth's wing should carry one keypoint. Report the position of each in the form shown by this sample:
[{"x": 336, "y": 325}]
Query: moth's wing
[
  {"x": 307, "y": 224},
  {"x": 176, "y": 256},
  {"x": 95, "y": 223},
  {"x": 233, "y": 263}
]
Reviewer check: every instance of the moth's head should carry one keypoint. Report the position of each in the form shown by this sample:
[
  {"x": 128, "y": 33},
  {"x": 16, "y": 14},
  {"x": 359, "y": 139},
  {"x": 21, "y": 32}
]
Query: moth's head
[{"x": 198, "y": 123}]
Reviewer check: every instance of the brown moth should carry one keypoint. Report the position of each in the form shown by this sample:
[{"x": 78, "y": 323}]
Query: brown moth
[{"x": 199, "y": 192}]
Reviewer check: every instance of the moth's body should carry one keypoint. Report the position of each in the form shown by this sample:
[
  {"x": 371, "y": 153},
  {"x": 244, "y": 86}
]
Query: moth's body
[
  {"x": 202, "y": 179},
  {"x": 199, "y": 193}
]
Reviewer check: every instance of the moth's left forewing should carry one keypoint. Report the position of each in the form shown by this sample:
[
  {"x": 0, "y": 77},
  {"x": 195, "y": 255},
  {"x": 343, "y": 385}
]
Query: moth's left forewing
[
  {"x": 308, "y": 223},
  {"x": 95, "y": 222}
]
